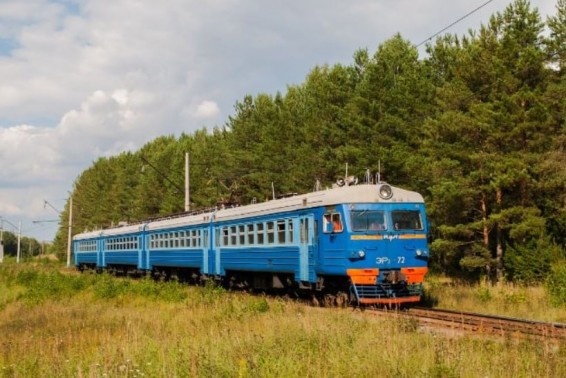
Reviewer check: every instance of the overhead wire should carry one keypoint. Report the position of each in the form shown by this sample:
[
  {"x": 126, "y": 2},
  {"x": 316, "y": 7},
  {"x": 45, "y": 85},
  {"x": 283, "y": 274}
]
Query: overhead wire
[{"x": 455, "y": 22}]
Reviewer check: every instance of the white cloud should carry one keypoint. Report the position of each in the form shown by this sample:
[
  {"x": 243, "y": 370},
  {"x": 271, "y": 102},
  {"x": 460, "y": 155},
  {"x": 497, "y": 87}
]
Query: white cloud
[
  {"x": 207, "y": 109},
  {"x": 93, "y": 78}
]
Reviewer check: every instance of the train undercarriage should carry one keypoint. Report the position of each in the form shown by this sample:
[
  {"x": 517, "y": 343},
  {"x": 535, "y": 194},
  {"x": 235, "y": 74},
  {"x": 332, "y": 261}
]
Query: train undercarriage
[{"x": 328, "y": 291}]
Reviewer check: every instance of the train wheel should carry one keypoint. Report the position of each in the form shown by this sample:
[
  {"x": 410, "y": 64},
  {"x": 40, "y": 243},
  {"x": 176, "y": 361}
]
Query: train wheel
[
  {"x": 314, "y": 301},
  {"x": 329, "y": 300},
  {"x": 342, "y": 299}
]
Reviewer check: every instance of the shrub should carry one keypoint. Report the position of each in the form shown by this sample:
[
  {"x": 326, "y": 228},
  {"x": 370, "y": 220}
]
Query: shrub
[
  {"x": 556, "y": 284},
  {"x": 170, "y": 291},
  {"x": 530, "y": 262},
  {"x": 483, "y": 294},
  {"x": 108, "y": 287},
  {"x": 45, "y": 285}
]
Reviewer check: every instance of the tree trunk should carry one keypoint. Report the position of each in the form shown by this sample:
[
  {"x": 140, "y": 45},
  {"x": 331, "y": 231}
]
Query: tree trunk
[
  {"x": 483, "y": 205},
  {"x": 499, "y": 242}
]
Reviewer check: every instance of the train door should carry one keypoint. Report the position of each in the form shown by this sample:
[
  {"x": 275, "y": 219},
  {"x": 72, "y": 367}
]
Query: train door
[
  {"x": 206, "y": 247},
  {"x": 306, "y": 248},
  {"x": 331, "y": 246},
  {"x": 100, "y": 252},
  {"x": 143, "y": 250},
  {"x": 213, "y": 252}
]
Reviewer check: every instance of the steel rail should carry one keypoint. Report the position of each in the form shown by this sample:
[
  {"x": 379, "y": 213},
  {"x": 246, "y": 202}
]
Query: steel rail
[{"x": 483, "y": 323}]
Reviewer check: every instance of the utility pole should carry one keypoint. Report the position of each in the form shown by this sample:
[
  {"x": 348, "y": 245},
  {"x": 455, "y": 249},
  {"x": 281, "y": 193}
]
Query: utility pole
[
  {"x": 1, "y": 240},
  {"x": 187, "y": 176},
  {"x": 19, "y": 239},
  {"x": 70, "y": 237}
]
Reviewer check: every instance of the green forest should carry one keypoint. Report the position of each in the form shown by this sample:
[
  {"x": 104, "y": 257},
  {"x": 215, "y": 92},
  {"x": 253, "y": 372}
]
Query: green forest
[{"x": 477, "y": 126}]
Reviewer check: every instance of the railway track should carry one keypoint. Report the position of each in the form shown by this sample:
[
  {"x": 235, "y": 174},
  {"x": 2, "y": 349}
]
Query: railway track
[{"x": 484, "y": 324}]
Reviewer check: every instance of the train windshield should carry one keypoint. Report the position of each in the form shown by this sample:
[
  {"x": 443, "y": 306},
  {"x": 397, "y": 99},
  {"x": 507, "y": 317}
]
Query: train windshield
[
  {"x": 406, "y": 220},
  {"x": 367, "y": 220}
]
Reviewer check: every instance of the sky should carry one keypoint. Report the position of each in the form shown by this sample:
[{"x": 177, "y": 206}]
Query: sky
[{"x": 84, "y": 79}]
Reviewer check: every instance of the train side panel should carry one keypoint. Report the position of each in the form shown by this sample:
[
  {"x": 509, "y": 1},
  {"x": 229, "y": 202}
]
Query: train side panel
[
  {"x": 276, "y": 244},
  {"x": 180, "y": 247}
]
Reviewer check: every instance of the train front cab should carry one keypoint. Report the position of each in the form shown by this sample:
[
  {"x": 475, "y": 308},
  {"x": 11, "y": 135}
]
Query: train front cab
[{"x": 381, "y": 248}]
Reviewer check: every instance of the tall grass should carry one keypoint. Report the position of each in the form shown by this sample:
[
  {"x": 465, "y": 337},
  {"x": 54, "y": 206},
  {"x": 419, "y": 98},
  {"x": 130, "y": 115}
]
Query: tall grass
[
  {"x": 528, "y": 302},
  {"x": 121, "y": 328}
]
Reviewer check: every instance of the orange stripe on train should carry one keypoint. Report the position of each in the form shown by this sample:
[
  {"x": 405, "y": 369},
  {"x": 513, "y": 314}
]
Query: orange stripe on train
[
  {"x": 366, "y": 237},
  {"x": 412, "y": 236},
  {"x": 363, "y": 276},
  {"x": 414, "y": 275}
]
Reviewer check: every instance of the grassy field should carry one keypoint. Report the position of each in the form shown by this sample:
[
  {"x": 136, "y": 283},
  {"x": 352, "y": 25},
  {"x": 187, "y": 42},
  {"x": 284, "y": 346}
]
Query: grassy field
[
  {"x": 507, "y": 299},
  {"x": 56, "y": 324}
]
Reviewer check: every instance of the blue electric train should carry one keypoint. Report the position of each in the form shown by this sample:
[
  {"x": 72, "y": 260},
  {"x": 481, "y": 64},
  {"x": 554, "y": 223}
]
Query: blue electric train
[{"x": 364, "y": 244}]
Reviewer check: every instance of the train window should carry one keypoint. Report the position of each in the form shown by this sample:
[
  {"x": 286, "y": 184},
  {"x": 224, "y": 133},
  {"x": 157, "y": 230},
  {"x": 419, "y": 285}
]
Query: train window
[
  {"x": 281, "y": 232},
  {"x": 304, "y": 231},
  {"x": 365, "y": 220},
  {"x": 242, "y": 231},
  {"x": 290, "y": 231},
  {"x": 406, "y": 220},
  {"x": 205, "y": 238},
  {"x": 332, "y": 222},
  {"x": 233, "y": 235},
  {"x": 250, "y": 233},
  {"x": 270, "y": 233},
  {"x": 260, "y": 238},
  {"x": 217, "y": 237},
  {"x": 225, "y": 239}
]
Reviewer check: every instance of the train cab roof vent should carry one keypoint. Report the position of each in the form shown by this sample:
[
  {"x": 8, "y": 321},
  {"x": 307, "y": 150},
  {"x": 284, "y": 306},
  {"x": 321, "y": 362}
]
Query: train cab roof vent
[{"x": 347, "y": 181}]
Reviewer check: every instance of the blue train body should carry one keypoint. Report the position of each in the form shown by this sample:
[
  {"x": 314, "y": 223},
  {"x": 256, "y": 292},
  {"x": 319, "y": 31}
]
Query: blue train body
[{"x": 360, "y": 243}]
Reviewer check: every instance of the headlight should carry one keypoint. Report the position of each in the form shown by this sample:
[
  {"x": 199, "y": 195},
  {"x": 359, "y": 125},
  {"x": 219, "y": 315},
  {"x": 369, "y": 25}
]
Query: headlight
[
  {"x": 385, "y": 191},
  {"x": 357, "y": 255}
]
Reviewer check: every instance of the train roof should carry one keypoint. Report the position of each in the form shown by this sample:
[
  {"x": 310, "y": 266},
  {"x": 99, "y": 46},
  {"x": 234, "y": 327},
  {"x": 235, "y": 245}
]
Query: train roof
[
  {"x": 326, "y": 198},
  {"x": 372, "y": 193}
]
